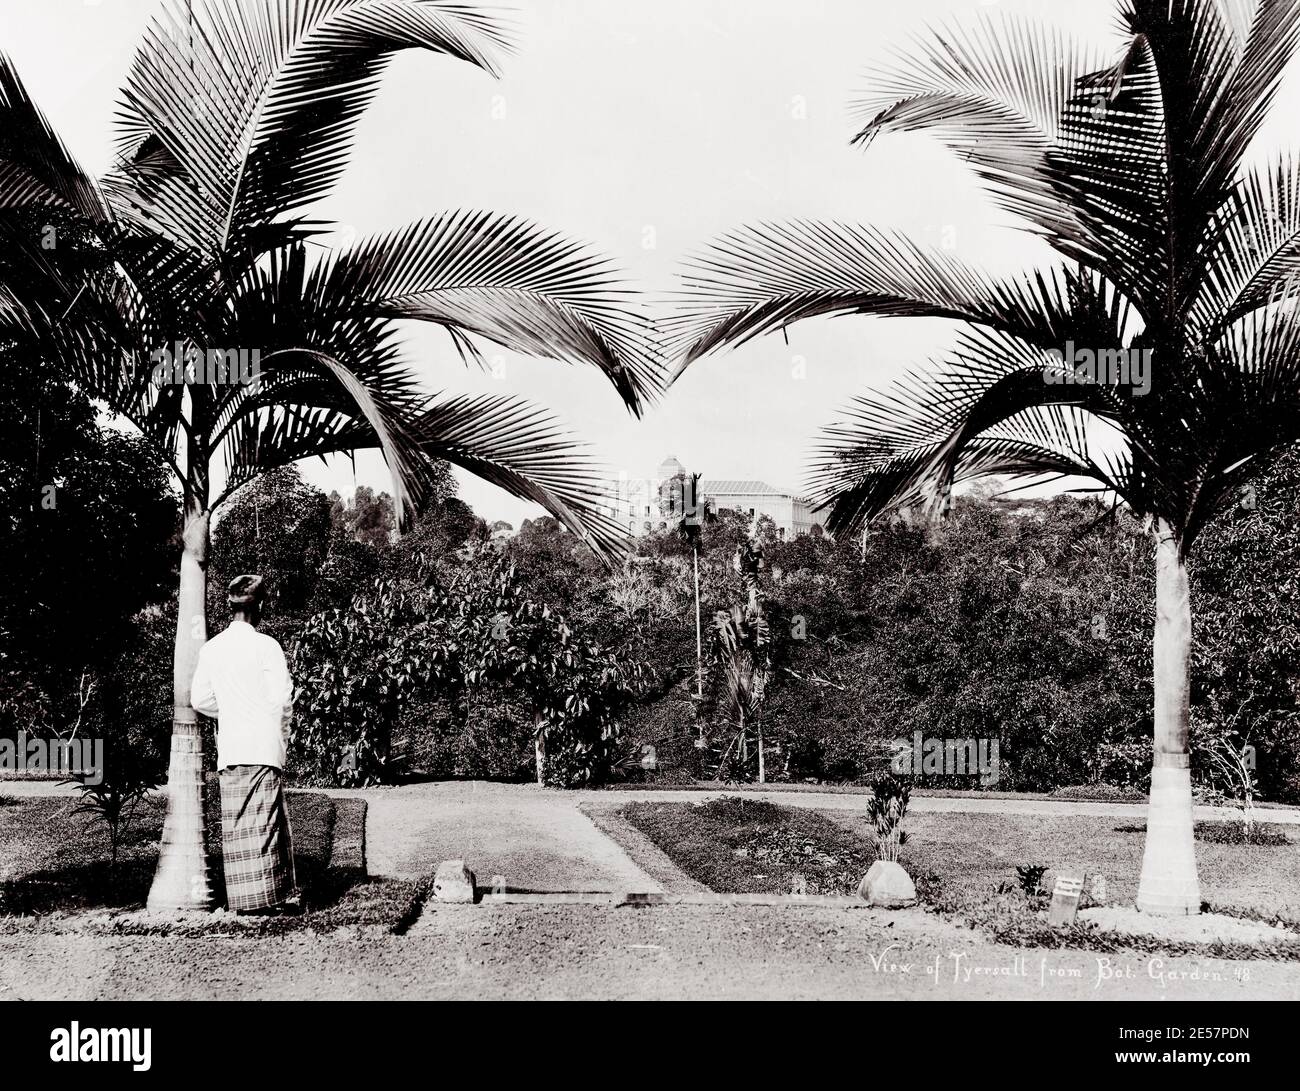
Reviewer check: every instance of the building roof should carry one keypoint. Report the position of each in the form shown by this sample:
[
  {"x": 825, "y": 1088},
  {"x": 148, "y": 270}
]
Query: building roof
[
  {"x": 741, "y": 488},
  {"x": 670, "y": 467}
]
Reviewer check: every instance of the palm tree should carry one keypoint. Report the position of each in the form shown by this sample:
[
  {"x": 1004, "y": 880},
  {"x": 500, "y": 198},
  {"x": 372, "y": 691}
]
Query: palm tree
[
  {"x": 743, "y": 643},
  {"x": 688, "y": 527},
  {"x": 140, "y": 285},
  {"x": 1162, "y": 242}
]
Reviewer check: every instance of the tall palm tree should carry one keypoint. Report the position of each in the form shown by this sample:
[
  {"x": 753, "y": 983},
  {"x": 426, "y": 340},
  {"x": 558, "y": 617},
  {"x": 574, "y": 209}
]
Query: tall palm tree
[
  {"x": 1163, "y": 241},
  {"x": 234, "y": 117},
  {"x": 743, "y": 647},
  {"x": 688, "y": 526}
]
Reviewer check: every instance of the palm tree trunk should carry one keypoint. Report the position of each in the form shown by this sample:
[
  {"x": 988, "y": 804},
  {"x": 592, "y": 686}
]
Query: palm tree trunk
[
  {"x": 539, "y": 749},
  {"x": 699, "y": 638},
  {"x": 762, "y": 768},
  {"x": 1169, "y": 884},
  {"x": 184, "y": 876}
]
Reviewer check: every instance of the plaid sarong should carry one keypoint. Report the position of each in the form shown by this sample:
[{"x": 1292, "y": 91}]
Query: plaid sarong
[{"x": 256, "y": 840}]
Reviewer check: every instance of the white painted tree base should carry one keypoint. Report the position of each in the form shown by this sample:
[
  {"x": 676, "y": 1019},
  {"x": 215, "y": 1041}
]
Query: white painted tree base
[{"x": 1169, "y": 886}]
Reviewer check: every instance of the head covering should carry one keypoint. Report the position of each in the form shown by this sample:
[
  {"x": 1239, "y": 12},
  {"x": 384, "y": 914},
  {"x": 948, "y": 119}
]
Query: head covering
[{"x": 244, "y": 592}]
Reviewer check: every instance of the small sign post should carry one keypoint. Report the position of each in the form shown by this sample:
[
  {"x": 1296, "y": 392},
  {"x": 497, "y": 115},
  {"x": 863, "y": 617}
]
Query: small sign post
[{"x": 1066, "y": 892}]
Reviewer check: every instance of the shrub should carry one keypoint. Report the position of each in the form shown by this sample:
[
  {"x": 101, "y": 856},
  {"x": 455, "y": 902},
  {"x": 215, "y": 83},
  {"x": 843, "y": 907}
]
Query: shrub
[
  {"x": 355, "y": 668},
  {"x": 500, "y": 670},
  {"x": 1030, "y": 878},
  {"x": 1238, "y": 833}
]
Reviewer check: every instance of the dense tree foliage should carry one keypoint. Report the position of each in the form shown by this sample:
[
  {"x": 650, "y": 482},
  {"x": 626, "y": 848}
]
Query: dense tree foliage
[
  {"x": 459, "y": 640},
  {"x": 1028, "y": 621},
  {"x": 80, "y": 506},
  {"x": 279, "y": 527}
]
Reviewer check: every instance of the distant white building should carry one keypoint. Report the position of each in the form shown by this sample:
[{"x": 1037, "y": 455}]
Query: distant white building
[
  {"x": 643, "y": 505},
  {"x": 793, "y": 515}
]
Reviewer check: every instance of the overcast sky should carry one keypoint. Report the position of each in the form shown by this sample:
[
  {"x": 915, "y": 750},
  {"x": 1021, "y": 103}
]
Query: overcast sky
[{"x": 645, "y": 128}]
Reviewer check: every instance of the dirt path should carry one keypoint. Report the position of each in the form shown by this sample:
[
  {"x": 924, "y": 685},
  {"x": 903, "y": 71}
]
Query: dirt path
[
  {"x": 580, "y": 952},
  {"x": 534, "y": 839}
]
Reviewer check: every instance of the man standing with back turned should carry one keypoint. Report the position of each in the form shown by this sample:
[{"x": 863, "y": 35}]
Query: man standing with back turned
[{"x": 243, "y": 681}]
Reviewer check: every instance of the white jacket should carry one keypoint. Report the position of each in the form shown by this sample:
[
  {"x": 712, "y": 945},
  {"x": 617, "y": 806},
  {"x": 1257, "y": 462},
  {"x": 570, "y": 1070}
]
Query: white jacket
[{"x": 243, "y": 680}]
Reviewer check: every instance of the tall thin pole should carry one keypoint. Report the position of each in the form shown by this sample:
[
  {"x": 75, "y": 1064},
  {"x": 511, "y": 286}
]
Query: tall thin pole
[{"x": 699, "y": 642}]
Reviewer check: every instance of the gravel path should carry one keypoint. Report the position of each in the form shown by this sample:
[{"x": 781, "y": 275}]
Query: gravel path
[
  {"x": 535, "y": 839},
  {"x": 579, "y": 952}
]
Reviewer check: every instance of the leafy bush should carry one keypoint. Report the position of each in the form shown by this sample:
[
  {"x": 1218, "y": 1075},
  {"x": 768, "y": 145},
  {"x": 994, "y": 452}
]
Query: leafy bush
[
  {"x": 1030, "y": 878},
  {"x": 576, "y": 688},
  {"x": 500, "y": 671},
  {"x": 668, "y": 726},
  {"x": 484, "y": 735},
  {"x": 1238, "y": 833},
  {"x": 355, "y": 668}
]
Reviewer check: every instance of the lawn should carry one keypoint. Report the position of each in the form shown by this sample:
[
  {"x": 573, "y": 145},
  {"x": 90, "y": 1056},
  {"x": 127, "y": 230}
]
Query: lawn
[
  {"x": 958, "y": 861},
  {"x": 965, "y": 865},
  {"x": 55, "y": 867}
]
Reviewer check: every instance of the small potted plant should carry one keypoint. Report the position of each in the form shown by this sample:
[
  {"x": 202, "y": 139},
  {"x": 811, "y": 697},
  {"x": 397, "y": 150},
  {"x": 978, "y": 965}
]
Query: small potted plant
[{"x": 886, "y": 884}]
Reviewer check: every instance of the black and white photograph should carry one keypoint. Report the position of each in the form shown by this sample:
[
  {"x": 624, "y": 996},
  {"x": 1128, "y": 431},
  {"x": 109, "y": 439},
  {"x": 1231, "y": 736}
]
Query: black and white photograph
[{"x": 624, "y": 500}]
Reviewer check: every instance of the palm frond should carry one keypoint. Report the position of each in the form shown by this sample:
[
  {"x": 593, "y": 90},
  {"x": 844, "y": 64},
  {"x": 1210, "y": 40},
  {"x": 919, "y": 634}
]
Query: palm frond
[
  {"x": 1258, "y": 251},
  {"x": 386, "y": 422},
  {"x": 1204, "y": 75},
  {"x": 766, "y": 277},
  {"x": 1110, "y": 161},
  {"x": 508, "y": 281},
  {"x": 1221, "y": 63},
  {"x": 35, "y": 167},
  {"x": 336, "y": 371},
  {"x": 269, "y": 436},
  {"x": 513, "y": 445},
  {"x": 1132, "y": 171},
  {"x": 235, "y": 113},
  {"x": 994, "y": 93},
  {"x": 864, "y": 471}
]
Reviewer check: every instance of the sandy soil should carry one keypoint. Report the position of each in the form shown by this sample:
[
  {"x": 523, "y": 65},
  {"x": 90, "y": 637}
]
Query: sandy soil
[
  {"x": 578, "y": 951},
  {"x": 1202, "y": 928}
]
